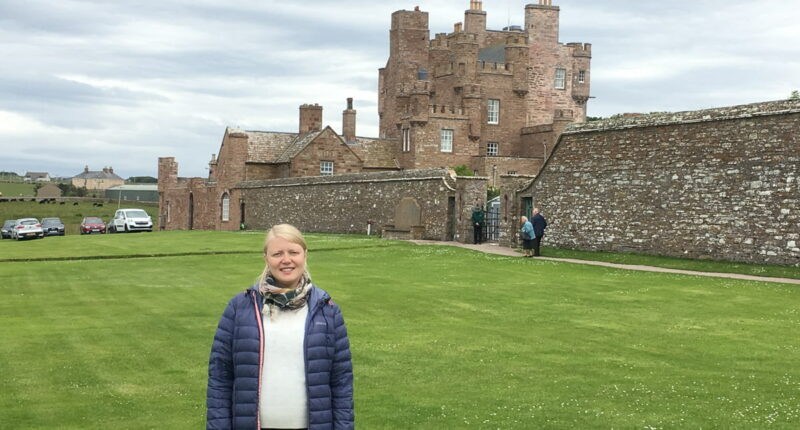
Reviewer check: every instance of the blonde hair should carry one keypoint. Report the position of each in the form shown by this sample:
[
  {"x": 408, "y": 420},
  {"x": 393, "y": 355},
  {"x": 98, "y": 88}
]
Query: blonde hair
[
  {"x": 289, "y": 233},
  {"x": 524, "y": 218}
]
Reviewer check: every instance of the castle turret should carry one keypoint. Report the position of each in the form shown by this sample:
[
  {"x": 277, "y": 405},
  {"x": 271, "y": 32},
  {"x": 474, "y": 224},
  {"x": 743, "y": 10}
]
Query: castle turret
[
  {"x": 516, "y": 52},
  {"x": 407, "y": 63},
  {"x": 167, "y": 173}
]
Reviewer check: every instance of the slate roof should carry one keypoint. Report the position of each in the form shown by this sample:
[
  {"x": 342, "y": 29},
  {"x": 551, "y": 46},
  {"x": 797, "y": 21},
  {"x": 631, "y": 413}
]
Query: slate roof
[
  {"x": 376, "y": 152},
  {"x": 36, "y": 175},
  {"x": 296, "y": 146},
  {"x": 493, "y": 54},
  {"x": 273, "y": 147},
  {"x": 266, "y": 146},
  {"x": 97, "y": 175},
  {"x": 135, "y": 187}
]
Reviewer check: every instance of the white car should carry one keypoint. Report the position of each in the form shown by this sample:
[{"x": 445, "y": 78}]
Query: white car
[
  {"x": 27, "y": 227},
  {"x": 128, "y": 220}
]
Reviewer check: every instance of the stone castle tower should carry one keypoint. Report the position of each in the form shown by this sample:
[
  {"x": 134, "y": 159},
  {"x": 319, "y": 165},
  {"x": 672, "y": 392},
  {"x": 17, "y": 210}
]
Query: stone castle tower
[{"x": 494, "y": 100}]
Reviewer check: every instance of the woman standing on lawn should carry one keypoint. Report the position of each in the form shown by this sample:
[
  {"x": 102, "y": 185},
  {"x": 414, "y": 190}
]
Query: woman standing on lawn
[{"x": 281, "y": 357}]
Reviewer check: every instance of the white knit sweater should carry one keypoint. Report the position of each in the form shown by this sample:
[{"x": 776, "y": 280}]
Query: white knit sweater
[{"x": 284, "y": 401}]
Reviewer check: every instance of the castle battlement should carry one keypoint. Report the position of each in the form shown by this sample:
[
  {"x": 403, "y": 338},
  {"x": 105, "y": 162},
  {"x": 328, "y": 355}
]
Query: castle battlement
[
  {"x": 415, "y": 87},
  {"x": 440, "y": 41},
  {"x": 463, "y": 37},
  {"x": 581, "y": 49},
  {"x": 491, "y": 67},
  {"x": 446, "y": 109}
]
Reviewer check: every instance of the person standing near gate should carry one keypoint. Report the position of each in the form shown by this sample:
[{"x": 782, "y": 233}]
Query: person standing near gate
[
  {"x": 539, "y": 224},
  {"x": 477, "y": 224}
]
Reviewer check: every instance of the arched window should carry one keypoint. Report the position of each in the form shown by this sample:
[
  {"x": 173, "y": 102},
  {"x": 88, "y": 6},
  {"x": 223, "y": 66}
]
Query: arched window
[{"x": 226, "y": 207}]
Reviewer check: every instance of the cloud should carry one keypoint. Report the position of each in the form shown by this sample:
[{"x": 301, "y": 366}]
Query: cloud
[{"x": 123, "y": 83}]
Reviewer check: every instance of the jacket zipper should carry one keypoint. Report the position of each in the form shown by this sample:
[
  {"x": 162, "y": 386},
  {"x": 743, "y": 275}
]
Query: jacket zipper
[{"x": 260, "y": 322}]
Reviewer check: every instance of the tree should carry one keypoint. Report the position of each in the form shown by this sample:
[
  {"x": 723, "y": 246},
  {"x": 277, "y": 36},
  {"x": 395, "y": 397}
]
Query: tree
[
  {"x": 142, "y": 180},
  {"x": 492, "y": 192},
  {"x": 795, "y": 95},
  {"x": 69, "y": 190},
  {"x": 463, "y": 170}
]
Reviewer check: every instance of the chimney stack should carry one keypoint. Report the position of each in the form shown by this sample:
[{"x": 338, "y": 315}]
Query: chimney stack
[
  {"x": 349, "y": 122},
  {"x": 310, "y": 118}
]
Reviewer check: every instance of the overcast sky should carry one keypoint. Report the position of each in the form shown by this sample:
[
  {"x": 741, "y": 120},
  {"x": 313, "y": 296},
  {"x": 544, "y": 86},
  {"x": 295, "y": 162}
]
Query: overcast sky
[{"x": 121, "y": 83}]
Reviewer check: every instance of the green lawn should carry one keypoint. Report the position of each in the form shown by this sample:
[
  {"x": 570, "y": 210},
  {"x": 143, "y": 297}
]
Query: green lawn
[
  {"x": 16, "y": 189},
  {"x": 442, "y": 337},
  {"x": 678, "y": 263}
]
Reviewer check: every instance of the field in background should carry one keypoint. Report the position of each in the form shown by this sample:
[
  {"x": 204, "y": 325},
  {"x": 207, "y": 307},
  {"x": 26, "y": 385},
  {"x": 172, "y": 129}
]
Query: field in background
[
  {"x": 71, "y": 215},
  {"x": 15, "y": 189},
  {"x": 441, "y": 337}
]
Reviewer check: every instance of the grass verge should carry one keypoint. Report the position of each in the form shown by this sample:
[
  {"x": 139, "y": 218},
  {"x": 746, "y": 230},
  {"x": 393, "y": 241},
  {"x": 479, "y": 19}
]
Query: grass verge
[{"x": 442, "y": 338}]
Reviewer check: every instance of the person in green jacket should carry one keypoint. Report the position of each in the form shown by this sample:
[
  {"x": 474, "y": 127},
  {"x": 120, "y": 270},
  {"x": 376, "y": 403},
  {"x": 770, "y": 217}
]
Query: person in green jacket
[{"x": 477, "y": 224}]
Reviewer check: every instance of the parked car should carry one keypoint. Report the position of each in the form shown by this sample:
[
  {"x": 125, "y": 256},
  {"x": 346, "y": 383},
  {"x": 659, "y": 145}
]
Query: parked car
[
  {"x": 92, "y": 224},
  {"x": 27, "y": 227},
  {"x": 52, "y": 226},
  {"x": 128, "y": 220},
  {"x": 8, "y": 226}
]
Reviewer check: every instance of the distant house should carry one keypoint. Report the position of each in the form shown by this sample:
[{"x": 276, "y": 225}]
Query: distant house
[
  {"x": 139, "y": 192},
  {"x": 97, "y": 180},
  {"x": 48, "y": 191},
  {"x": 37, "y": 177}
]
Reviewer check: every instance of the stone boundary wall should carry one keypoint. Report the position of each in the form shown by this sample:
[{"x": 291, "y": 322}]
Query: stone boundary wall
[
  {"x": 716, "y": 184},
  {"x": 347, "y": 203}
]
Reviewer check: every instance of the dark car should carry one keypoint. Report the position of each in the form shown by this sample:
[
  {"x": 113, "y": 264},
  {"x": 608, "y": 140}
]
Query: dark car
[
  {"x": 92, "y": 224},
  {"x": 52, "y": 226},
  {"x": 8, "y": 226}
]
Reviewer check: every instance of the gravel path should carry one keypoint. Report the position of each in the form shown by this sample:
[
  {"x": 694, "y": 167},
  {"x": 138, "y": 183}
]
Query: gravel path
[{"x": 491, "y": 248}]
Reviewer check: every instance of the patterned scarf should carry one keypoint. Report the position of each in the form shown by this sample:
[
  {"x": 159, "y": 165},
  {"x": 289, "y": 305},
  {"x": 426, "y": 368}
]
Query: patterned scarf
[{"x": 285, "y": 298}]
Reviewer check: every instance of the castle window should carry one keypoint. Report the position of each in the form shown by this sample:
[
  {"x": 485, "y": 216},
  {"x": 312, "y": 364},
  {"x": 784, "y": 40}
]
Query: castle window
[
  {"x": 326, "y": 168},
  {"x": 561, "y": 79},
  {"x": 491, "y": 149},
  {"x": 446, "y": 140},
  {"x": 493, "y": 111},
  {"x": 226, "y": 207},
  {"x": 512, "y": 172},
  {"x": 406, "y": 140},
  {"x": 582, "y": 76}
]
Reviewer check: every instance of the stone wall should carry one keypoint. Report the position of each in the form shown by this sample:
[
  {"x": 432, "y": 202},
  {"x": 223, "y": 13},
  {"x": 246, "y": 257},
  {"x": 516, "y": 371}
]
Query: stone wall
[
  {"x": 348, "y": 203},
  {"x": 713, "y": 184}
]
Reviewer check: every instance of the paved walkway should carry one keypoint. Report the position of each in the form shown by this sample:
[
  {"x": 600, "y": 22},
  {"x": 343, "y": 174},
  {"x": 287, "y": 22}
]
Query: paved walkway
[{"x": 492, "y": 248}]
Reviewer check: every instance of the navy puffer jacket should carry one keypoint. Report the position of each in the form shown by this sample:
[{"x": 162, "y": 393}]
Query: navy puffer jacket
[{"x": 234, "y": 369}]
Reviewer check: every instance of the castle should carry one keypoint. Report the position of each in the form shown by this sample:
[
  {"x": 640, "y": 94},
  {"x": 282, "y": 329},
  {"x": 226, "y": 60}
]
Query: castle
[{"x": 492, "y": 100}]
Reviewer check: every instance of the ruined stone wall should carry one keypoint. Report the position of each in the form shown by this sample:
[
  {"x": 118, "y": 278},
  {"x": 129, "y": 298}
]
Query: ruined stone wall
[
  {"x": 346, "y": 203},
  {"x": 716, "y": 184}
]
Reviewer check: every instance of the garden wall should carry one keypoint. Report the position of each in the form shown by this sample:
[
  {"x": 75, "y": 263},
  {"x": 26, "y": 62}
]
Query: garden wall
[
  {"x": 348, "y": 203},
  {"x": 710, "y": 184}
]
